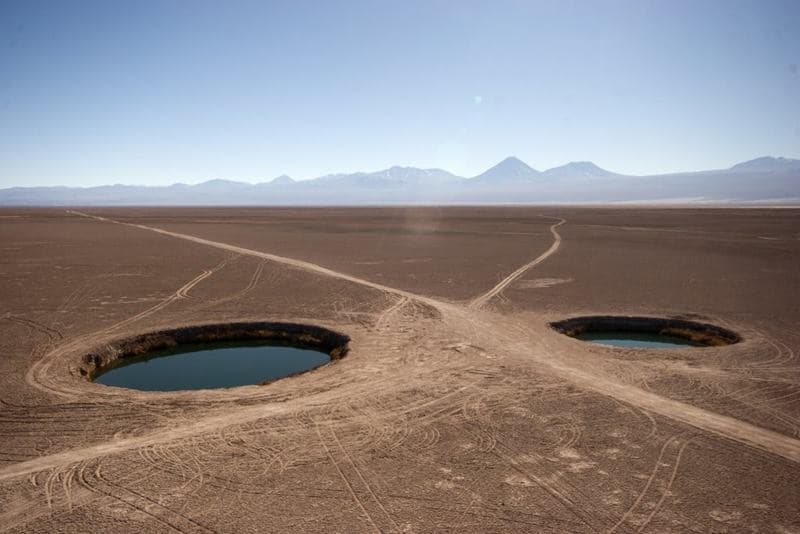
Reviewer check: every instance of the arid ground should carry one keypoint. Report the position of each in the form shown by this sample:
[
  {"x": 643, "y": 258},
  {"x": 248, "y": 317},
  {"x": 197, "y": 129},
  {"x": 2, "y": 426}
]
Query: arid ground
[{"x": 457, "y": 408}]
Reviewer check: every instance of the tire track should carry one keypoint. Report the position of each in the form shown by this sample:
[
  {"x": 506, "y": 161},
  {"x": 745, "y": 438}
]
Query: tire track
[
  {"x": 384, "y": 318},
  {"x": 481, "y": 300},
  {"x": 363, "y": 480},
  {"x": 299, "y": 264},
  {"x": 179, "y": 294},
  {"x": 560, "y": 490},
  {"x": 251, "y": 285},
  {"x": 667, "y": 488},
  {"x": 650, "y": 480},
  {"x": 53, "y": 335},
  {"x": 347, "y": 482},
  {"x": 475, "y": 324},
  {"x": 41, "y": 366},
  {"x": 134, "y": 499}
]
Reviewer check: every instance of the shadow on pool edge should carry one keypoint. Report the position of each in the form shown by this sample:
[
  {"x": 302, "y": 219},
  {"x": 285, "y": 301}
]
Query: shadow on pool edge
[
  {"x": 703, "y": 334},
  {"x": 109, "y": 355}
]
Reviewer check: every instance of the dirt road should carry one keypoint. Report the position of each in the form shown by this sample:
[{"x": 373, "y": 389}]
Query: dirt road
[{"x": 432, "y": 385}]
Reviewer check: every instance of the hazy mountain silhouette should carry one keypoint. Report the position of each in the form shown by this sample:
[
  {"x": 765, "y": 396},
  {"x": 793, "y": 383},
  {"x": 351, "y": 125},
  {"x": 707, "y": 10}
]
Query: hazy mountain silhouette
[
  {"x": 510, "y": 181},
  {"x": 392, "y": 178},
  {"x": 768, "y": 164},
  {"x": 509, "y": 171},
  {"x": 283, "y": 179},
  {"x": 578, "y": 169}
]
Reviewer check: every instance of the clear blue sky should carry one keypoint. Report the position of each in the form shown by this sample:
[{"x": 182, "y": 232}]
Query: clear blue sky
[{"x": 159, "y": 92}]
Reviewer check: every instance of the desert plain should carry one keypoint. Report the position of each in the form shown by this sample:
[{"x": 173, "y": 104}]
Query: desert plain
[{"x": 457, "y": 407}]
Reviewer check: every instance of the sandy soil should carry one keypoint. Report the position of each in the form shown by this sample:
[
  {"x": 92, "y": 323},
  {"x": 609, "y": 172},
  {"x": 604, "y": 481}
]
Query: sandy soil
[{"x": 457, "y": 408}]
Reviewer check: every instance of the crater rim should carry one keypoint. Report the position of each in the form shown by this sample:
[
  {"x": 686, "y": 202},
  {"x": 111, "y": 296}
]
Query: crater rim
[
  {"x": 701, "y": 334},
  {"x": 112, "y": 353}
]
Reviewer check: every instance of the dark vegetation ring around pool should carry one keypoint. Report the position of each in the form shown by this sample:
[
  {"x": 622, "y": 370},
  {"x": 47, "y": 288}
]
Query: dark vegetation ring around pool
[
  {"x": 645, "y": 332},
  {"x": 212, "y": 356}
]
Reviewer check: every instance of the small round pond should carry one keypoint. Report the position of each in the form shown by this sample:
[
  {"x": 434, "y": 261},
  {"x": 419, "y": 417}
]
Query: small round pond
[
  {"x": 645, "y": 332},
  {"x": 211, "y": 356},
  {"x": 210, "y": 366}
]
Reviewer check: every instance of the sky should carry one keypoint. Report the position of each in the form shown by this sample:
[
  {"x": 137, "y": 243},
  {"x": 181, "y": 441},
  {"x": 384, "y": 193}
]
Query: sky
[{"x": 158, "y": 92}]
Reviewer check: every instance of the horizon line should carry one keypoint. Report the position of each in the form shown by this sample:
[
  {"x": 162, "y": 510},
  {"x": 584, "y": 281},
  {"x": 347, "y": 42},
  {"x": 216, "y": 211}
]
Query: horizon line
[{"x": 299, "y": 180}]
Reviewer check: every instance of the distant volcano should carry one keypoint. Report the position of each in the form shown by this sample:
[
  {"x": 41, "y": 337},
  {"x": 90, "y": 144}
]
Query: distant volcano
[
  {"x": 578, "y": 168},
  {"x": 510, "y": 170},
  {"x": 766, "y": 179},
  {"x": 768, "y": 164}
]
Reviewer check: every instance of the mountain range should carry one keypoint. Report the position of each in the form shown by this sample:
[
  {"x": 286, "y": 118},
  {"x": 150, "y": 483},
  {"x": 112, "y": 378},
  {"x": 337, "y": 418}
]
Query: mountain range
[{"x": 766, "y": 179}]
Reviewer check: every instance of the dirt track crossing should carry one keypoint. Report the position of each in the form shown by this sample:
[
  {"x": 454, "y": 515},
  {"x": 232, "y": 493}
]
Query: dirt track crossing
[
  {"x": 467, "y": 342},
  {"x": 481, "y": 300},
  {"x": 465, "y": 320}
]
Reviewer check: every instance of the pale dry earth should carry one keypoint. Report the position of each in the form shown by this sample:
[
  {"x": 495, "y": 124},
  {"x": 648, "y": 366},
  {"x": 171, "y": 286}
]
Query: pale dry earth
[{"x": 457, "y": 408}]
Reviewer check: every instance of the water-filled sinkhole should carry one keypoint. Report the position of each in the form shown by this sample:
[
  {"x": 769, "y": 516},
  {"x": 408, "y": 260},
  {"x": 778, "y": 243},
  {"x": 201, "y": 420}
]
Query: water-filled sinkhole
[
  {"x": 213, "y": 356},
  {"x": 210, "y": 366},
  {"x": 645, "y": 332}
]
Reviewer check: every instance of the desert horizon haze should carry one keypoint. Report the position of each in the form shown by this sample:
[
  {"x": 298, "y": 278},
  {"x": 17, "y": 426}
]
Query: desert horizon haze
[{"x": 766, "y": 179}]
